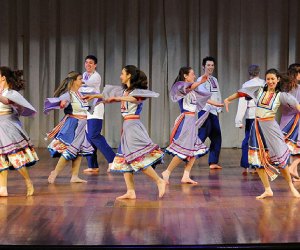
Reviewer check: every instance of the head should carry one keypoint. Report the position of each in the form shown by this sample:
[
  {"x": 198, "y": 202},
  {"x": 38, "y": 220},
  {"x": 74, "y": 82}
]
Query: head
[
  {"x": 11, "y": 79},
  {"x": 253, "y": 70},
  {"x": 185, "y": 74},
  {"x": 133, "y": 78},
  {"x": 90, "y": 63},
  {"x": 294, "y": 71},
  {"x": 208, "y": 65},
  {"x": 73, "y": 82},
  {"x": 273, "y": 78}
]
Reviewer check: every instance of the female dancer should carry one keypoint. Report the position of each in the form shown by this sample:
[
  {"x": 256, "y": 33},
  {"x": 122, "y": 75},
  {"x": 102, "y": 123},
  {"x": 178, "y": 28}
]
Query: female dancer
[
  {"x": 70, "y": 141},
  {"x": 184, "y": 143},
  {"x": 290, "y": 120},
  {"x": 268, "y": 151},
  {"x": 16, "y": 150},
  {"x": 137, "y": 152}
]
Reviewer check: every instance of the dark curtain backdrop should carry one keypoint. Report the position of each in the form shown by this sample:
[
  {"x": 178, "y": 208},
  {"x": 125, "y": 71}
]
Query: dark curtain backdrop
[{"x": 49, "y": 38}]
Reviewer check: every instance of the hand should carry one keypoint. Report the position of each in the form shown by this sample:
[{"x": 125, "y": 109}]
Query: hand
[
  {"x": 63, "y": 104},
  {"x": 226, "y": 102},
  {"x": 241, "y": 126},
  {"x": 88, "y": 97},
  {"x": 204, "y": 78}
]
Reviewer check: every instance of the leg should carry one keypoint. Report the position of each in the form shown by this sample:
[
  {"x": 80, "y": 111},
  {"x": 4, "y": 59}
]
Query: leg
[
  {"x": 92, "y": 162},
  {"x": 59, "y": 167},
  {"x": 75, "y": 170},
  {"x": 23, "y": 171},
  {"x": 264, "y": 179},
  {"x": 173, "y": 164},
  {"x": 95, "y": 137},
  {"x": 286, "y": 174},
  {"x": 293, "y": 167},
  {"x": 245, "y": 145},
  {"x": 129, "y": 180},
  {"x": 161, "y": 184},
  {"x": 216, "y": 142},
  {"x": 186, "y": 175},
  {"x": 3, "y": 183}
]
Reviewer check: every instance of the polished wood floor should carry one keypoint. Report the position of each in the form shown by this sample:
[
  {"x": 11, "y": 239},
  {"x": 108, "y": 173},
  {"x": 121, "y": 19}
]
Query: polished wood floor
[{"x": 220, "y": 210}]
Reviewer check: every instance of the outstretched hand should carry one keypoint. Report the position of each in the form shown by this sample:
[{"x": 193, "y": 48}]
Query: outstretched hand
[
  {"x": 63, "y": 104},
  {"x": 88, "y": 97},
  {"x": 204, "y": 78},
  {"x": 226, "y": 102}
]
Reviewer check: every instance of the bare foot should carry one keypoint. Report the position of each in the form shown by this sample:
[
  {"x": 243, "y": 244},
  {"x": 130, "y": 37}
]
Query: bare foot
[
  {"x": 91, "y": 170},
  {"x": 215, "y": 166},
  {"x": 293, "y": 169},
  {"x": 76, "y": 179},
  {"x": 52, "y": 177},
  {"x": 166, "y": 174},
  {"x": 161, "y": 188},
  {"x": 30, "y": 188},
  {"x": 264, "y": 195},
  {"x": 3, "y": 192},
  {"x": 188, "y": 181},
  {"x": 129, "y": 195},
  {"x": 295, "y": 192}
]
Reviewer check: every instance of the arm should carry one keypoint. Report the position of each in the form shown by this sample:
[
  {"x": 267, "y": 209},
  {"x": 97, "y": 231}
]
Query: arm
[
  {"x": 4, "y": 100},
  {"x": 217, "y": 104},
  {"x": 90, "y": 97},
  {"x": 197, "y": 84},
  {"x": 122, "y": 98},
  {"x": 228, "y": 100}
]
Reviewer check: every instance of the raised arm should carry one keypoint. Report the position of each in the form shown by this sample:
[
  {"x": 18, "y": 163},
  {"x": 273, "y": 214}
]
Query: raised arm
[
  {"x": 195, "y": 85},
  {"x": 90, "y": 97},
  {"x": 122, "y": 98}
]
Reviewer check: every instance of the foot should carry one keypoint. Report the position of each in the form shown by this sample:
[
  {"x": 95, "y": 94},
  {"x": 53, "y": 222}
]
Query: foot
[
  {"x": 187, "y": 180},
  {"x": 166, "y": 174},
  {"x": 245, "y": 171},
  {"x": 3, "y": 192},
  {"x": 161, "y": 188},
  {"x": 295, "y": 175},
  {"x": 52, "y": 177},
  {"x": 264, "y": 195},
  {"x": 109, "y": 167},
  {"x": 30, "y": 188},
  {"x": 295, "y": 192},
  {"x": 214, "y": 166},
  {"x": 129, "y": 195},
  {"x": 253, "y": 171},
  {"x": 91, "y": 170},
  {"x": 76, "y": 179}
]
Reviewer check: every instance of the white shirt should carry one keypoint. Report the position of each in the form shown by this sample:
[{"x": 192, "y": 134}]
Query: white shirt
[
  {"x": 247, "y": 108},
  {"x": 92, "y": 83},
  {"x": 212, "y": 86}
]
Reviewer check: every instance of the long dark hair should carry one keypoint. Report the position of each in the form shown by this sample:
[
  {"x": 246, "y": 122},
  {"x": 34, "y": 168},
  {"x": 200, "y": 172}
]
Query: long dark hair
[
  {"x": 138, "y": 79},
  {"x": 283, "y": 79},
  {"x": 292, "y": 72},
  {"x": 13, "y": 78},
  {"x": 183, "y": 71},
  {"x": 66, "y": 84}
]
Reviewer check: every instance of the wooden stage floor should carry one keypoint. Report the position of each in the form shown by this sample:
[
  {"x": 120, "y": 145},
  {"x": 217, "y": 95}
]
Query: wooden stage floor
[{"x": 220, "y": 211}]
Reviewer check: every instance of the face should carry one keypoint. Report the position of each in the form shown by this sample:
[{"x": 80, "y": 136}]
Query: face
[
  {"x": 190, "y": 77},
  {"x": 90, "y": 65},
  {"x": 125, "y": 78},
  {"x": 298, "y": 76},
  {"x": 272, "y": 80},
  {"x": 209, "y": 67},
  {"x": 77, "y": 83}
]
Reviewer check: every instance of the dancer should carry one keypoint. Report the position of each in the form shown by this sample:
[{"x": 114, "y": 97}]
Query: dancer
[
  {"x": 70, "y": 141},
  {"x": 211, "y": 126},
  {"x": 267, "y": 150},
  {"x": 16, "y": 150},
  {"x": 246, "y": 107},
  {"x": 184, "y": 142},
  {"x": 136, "y": 152},
  {"x": 92, "y": 83},
  {"x": 289, "y": 122}
]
